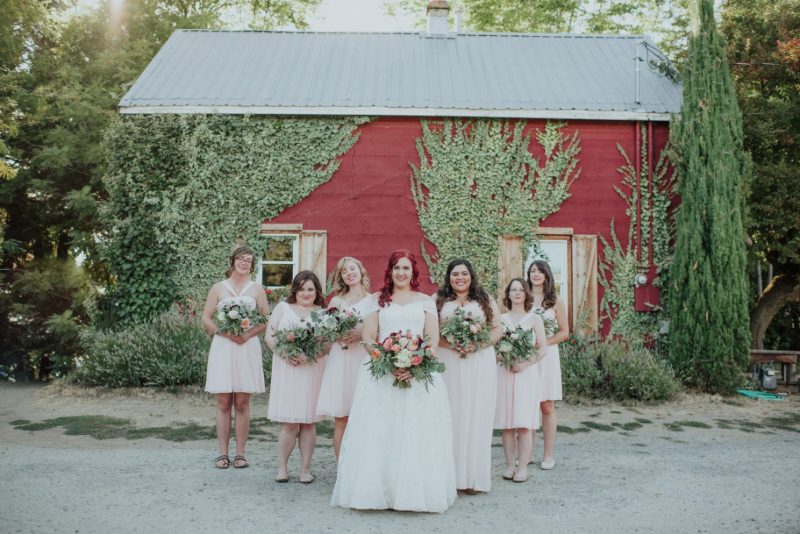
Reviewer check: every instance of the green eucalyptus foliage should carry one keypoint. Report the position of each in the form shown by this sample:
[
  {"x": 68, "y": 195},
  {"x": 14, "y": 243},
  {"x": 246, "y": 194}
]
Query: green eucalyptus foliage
[
  {"x": 648, "y": 212},
  {"x": 183, "y": 189},
  {"x": 709, "y": 334},
  {"x": 477, "y": 181}
]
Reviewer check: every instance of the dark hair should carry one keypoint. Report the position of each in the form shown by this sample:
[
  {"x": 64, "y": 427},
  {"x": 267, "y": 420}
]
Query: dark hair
[
  {"x": 528, "y": 296},
  {"x": 388, "y": 284},
  {"x": 476, "y": 292},
  {"x": 297, "y": 284},
  {"x": 240, "y": 251},
  {"x": 550, "y": 296}
]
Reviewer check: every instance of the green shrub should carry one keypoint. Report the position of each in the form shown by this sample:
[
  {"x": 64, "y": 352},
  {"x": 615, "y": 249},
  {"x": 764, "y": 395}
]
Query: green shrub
[
  {"x": 637, "y": 374},
  {"x": 596, "y": 368},
  {"x": 170, "y": 350},
  {"x": 580, "y": 375}
]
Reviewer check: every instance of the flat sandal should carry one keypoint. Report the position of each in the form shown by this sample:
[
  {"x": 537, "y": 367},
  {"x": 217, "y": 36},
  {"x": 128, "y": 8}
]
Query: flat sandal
[
  {"x": 240, "y": 458},
  {"x": 225, "y": 459}
]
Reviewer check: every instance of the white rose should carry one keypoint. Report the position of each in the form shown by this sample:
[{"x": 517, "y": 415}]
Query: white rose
[
  {"x": 233, "y": 314},
  {"x": 221, "y": 315},
  {"x": 403, "y": 359}
]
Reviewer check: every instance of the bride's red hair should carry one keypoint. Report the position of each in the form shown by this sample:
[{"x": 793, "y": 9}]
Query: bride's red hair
[{"x": 388, "y": 284}]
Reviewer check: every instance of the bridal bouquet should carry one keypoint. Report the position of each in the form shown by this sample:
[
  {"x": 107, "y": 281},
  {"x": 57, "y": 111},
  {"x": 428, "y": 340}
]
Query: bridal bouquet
[
  {"x": 404, "y": 350},
  {"x": 515, "y": 346},
  {"x": 462, "y": 329},
  {"x": 237, "y": 315},
  {"x": 550, "y": 325},
  {"x": 308, "y": 338}
]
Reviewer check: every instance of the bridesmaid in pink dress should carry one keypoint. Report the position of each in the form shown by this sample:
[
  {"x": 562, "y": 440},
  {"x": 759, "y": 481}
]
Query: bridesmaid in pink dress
[
  {"x": 517, "y": 412},
  {"x": 295, "y": 383},
  {"x": 471, "y": 377},
  {"x": 234, "y": 362},
  {"x": 543, "y": 288},
  {"x": 351, "y": 284}
]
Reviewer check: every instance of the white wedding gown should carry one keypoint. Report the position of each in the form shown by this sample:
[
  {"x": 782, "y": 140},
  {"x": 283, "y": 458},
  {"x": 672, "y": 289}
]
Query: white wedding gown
[{"x": 397, "y": 451}]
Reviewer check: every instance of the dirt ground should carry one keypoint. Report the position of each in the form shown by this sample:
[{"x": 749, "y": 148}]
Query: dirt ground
[{"x": 698, "y": 465}]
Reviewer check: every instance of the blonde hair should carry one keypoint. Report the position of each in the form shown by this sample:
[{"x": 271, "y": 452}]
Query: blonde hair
[{"x": 338, "y": 284}]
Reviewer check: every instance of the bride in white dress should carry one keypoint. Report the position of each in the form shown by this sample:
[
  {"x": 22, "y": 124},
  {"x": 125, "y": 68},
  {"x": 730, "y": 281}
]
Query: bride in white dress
[{"x": 397, "y": 450}]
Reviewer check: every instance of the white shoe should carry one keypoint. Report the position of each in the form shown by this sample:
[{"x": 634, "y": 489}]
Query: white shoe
[{"x": 547, "y": 464}]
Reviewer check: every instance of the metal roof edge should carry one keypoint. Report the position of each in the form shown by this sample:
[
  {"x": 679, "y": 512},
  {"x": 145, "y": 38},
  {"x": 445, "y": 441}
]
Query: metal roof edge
[
  {"x": 402, "y": 112},
  {"x": 425, "y": 33}
]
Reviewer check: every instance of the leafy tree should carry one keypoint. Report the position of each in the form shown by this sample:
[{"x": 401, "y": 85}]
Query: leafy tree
[
  {"x": 666, "y": 20},
  {"x": 764, "y": 47},
  {"x": 709, "y": 336},
  {"x": 61, "y": 77}
]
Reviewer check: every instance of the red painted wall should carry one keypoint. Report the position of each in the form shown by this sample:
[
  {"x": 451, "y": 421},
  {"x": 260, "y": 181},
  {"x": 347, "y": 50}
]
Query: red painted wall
[{"x": 368, "y": 211}]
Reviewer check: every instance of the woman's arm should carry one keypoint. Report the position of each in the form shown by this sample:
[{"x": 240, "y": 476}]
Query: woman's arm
[
  {"x": 369, "y": 333},
  {"x": 209, "y": 309},
  {"x": 432, "y": 330},
  {"x": 496, "y": 326},
  {"x": 272, "y": 327},
  {"x": 563, "y": 324}
]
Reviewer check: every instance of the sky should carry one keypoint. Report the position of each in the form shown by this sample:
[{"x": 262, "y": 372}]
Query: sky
[{"x": 358, "y": 16}]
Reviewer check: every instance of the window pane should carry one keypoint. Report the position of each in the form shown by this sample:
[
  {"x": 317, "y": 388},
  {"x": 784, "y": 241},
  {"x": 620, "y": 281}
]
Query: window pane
[
  {"x": 276, "y": 275},
  {"x": 279, "y": 248}
]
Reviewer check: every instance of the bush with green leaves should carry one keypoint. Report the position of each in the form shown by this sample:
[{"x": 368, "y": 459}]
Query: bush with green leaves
[
  {"x": 170, "y": 350},
  {"x": 637, "y": 374},
  {"x": 596, "y": 368}
]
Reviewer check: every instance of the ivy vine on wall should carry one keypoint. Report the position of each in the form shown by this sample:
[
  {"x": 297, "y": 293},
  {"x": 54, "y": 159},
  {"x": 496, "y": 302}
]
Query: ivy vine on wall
[
  {"x": 621, "y": 261},
  {"x": 184, "y": 188},
  {"x": 478, "y": 180}
]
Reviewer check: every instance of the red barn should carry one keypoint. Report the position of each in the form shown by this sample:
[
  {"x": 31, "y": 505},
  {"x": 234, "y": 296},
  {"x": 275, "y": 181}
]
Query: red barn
[{"x": 609, "y": 89}]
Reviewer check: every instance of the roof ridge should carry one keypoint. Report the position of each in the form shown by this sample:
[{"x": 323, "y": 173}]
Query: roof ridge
[{"x": 423, "y": 33}]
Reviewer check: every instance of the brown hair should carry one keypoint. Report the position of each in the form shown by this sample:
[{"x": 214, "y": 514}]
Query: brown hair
[
  {"x": 528, "y": 297},
  {"x": 550, "y": 296},
  {"x": 241, "y": 250},
  {"x": 338, "y": 284},
  {"x": 476, "y": 292},
  {"x": 297, "y": 284}
]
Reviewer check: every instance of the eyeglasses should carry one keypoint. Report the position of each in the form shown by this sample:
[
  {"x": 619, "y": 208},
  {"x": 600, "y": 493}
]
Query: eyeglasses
[{"x": 243, "y": 260}]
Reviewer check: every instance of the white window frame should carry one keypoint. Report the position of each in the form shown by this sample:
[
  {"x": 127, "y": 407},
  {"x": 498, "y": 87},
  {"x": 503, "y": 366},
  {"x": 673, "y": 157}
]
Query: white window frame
[{"x": 295, "y": 262}]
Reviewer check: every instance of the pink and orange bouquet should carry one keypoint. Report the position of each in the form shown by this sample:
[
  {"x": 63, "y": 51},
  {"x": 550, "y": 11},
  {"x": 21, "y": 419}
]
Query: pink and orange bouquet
[
  {"x": 404, "y": 350},
  {"x": 236, "y": 315},
  {"x": 463, "y": 329},
  {"x": 303, "y": 339}
]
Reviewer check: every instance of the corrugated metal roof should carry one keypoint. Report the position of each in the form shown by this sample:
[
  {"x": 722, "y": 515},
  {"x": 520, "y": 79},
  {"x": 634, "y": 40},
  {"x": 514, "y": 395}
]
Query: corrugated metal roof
[{"x": 480, "y": 75}]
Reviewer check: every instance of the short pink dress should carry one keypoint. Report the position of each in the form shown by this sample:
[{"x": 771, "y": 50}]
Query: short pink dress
[
  {"x": 341, "y": 369},
  {"x": 517, "y": 393},
  {"x": 550, "y": 369},
  {"x": 472, "y": 389},
  {"x": 294, "y": 390},
  {"x": 235, "y": 368}
]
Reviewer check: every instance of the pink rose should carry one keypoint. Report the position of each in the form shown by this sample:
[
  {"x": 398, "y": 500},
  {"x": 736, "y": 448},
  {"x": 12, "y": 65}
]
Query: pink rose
[
  {"x": 245, "y": 323},
  {"x": 387, "y": 343},
  {"x": 416, "y": 360},
  {"x": 413, "y": 344},
  {"x": 474, "y": 328},
  {"x": 290, "y": 337},
  {"x": 396, "y": 348}
]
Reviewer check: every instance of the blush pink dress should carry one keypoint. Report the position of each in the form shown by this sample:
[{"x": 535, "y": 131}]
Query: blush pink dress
[
  {"x": 235, "y": 368},
  {"x": 517, "y": 393},
  {"x": 294, "y": 390},
  {"x": 472, "y": 389},
  {"x": 341, "y": 369},
  {"x": 550, "y": 369}
]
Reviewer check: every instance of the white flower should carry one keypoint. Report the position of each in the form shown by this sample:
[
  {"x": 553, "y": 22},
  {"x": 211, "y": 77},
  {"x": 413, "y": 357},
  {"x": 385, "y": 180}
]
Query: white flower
[
  {"x": 233, "y": 314},
  {"x": 403, "y": 359},
  {"x": 221, "y": 315},
  {"x": 504, "y": 347}
]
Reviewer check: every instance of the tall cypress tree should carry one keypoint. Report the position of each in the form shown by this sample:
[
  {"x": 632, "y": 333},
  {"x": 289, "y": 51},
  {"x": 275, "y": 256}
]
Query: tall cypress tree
[{"x": 709, "y": 335}]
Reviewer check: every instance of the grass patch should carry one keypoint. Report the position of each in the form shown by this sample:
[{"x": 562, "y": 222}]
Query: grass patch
[
  {"x": 595, "y": 414},
  {"x": 615, "y": 411},
  {"x": 732, "y": 402},
  {"x": 673, "y": 440},
  {"x": 787, "y": 421},
  {"x": 19, "y": 422},
  {"x": 633, "y": 425},
  {"x": 598, "y": 426},
  {"x": 674, "y": 427},
  {"x": 639, "y": 444},
  {"x": 643, "y": 420},
  {"x": 693, "y": 424},
  {"x": 569, "y": 430},
  {"x": 325, "y": 429},
  {"x": 103, "y": 427}
]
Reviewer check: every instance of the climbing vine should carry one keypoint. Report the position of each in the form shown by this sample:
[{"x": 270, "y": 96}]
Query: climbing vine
[
  {"x": 647, "y": 208},
  {"x": 184, "y": 188},
  {"x": 478, "y": 180}
]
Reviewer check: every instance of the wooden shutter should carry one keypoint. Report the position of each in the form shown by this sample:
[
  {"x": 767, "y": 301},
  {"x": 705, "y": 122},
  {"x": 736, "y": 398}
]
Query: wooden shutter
[
  {"x": 584, "y": 283},
  {"x": 509, "y": 263},
  {"x": 314, "y": 252}
]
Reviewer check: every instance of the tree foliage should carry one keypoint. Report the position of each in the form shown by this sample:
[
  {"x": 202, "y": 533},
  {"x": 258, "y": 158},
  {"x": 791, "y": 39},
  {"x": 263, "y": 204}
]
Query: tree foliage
[
  {"x": 62, "y": 74},
  {"x": 709, "y": 335},
  {"x": 763, "y": 40}
]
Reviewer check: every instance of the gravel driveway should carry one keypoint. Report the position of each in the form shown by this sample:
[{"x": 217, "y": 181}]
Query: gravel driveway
[{"x": 701, "y": 464}]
